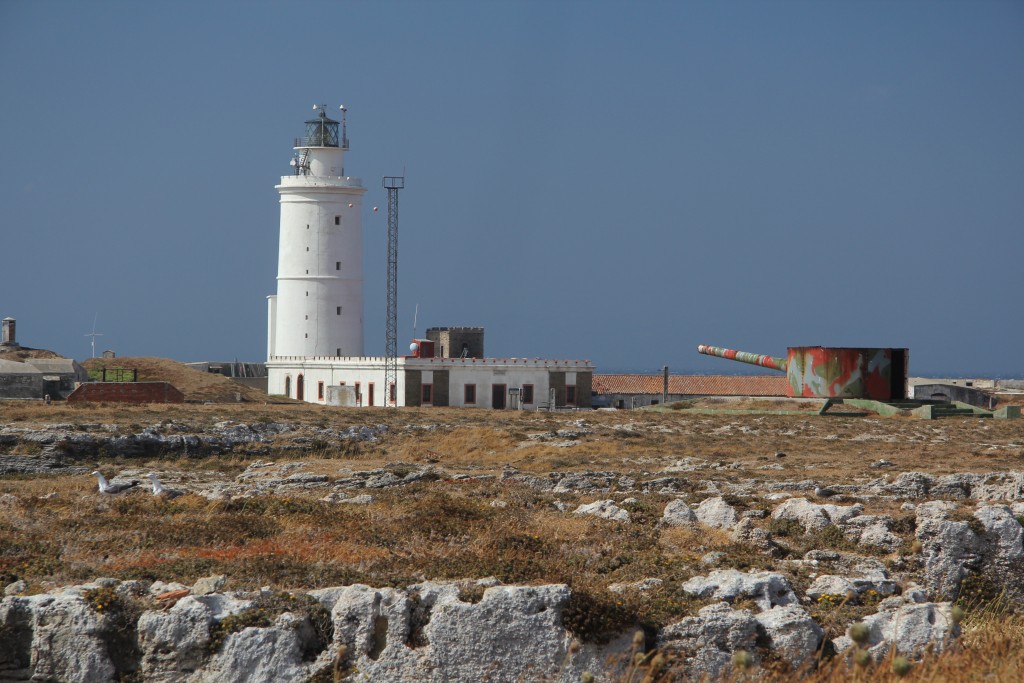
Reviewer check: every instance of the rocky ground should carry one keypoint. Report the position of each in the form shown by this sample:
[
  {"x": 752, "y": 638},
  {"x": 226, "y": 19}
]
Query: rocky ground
[{"x": 471, "y": 545}]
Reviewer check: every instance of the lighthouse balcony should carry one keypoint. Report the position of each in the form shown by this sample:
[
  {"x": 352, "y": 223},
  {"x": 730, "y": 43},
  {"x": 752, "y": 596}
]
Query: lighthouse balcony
[{"x": 321, "y": 181}]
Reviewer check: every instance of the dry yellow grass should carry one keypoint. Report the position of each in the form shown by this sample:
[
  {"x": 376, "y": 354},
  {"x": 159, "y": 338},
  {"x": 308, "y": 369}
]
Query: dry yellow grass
[{"x": 470, "y": 528}]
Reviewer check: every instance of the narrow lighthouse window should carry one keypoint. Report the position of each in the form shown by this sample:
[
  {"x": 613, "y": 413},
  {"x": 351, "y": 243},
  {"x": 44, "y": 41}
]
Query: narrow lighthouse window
[
  {"x": 339, "y": 310},
  {"x": 337, "y": 220},
  {"x": 337, "y": 265}
]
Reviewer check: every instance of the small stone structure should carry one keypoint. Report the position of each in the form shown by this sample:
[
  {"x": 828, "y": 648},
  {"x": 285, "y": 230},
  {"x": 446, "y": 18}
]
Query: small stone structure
[{"x": 955, "y": 392}]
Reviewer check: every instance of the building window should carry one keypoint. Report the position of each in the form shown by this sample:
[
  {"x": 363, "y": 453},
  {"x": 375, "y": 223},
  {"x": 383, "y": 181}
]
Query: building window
[
  {"x": 320, "y": 390},
  {"x": 307, "y": 293},
  {"x": 570, "y": 394},
  {"x": 527, "y": 393},
  {"x": 392, "y": 393},
  {"x": 307, "y": 335},
  {"x": 359, "y": 397},
  {"x": 337, "y": 220},
  {"x": 337, "y": 352},
  {"x": 469, "y": 393},
  {"x": 337, "y": 265},
  {"x": 428, "y": 394},
  {"x": 288, "y": 386},
  {"x": 307, "y": 317},
  {"x": 369, "y": 395},
  {"x": 307, "y": 248},
  {"x": 339, "y": 310}
]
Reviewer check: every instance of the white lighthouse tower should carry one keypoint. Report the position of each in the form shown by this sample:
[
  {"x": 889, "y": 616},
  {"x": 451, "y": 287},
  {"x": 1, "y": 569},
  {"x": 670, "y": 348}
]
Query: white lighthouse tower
[{"x": 318, "y": 309}]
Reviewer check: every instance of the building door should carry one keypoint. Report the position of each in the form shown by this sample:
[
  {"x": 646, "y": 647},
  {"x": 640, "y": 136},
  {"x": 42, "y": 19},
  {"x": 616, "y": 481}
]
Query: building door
[
  {"x": 498, "y": 396},
  {"x": 369, "y": 395},
  {"x": 299, "y": 387}
]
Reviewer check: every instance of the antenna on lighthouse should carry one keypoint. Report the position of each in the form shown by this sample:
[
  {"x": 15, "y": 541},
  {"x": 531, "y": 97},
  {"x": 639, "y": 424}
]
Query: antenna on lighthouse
[
  {"x": 94, "y": 334},
  {"x": 344, "y": 127}
]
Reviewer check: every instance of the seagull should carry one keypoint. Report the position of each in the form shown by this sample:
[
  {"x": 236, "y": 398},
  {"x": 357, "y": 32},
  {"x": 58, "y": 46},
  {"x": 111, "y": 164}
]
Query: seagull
[
  {"x": 107, "y": 487},
  {"x": 159, "y": 490},
  {"x": 824, "y": 492}
]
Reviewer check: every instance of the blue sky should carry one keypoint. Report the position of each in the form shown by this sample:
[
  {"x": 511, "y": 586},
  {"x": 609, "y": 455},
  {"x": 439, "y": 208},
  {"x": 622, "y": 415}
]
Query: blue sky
[{"x": 618, "y": 181}]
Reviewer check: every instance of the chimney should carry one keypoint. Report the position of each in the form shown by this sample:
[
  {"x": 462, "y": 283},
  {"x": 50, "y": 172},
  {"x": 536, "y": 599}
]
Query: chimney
[{"x": 8, "y": 338}]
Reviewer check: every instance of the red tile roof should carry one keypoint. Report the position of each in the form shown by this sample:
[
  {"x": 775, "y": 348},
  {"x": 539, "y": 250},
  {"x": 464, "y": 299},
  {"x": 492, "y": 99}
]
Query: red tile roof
[{"x": 693, "y": 385}]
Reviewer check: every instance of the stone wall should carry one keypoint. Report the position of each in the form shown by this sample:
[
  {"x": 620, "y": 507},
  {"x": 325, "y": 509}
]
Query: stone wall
[
  {"x": 448, "y": 341},
  {"x": 584, "y": 387},
  {"x": 441, "y": 388},
  {"x": 556, "y": 381},
  {"x": 413, "y": 387}
]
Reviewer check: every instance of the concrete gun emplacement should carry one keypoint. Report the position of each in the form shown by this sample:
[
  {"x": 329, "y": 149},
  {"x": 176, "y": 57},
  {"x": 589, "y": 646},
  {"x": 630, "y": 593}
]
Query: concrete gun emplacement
[{"x": 879, "y": 374}]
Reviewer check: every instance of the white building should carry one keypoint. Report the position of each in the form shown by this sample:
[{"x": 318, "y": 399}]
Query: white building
[{"x": 315, "y": 322}]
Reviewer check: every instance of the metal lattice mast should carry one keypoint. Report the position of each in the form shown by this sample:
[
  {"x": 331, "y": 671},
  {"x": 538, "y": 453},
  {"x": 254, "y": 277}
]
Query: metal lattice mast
[{"x": 392, "y": 184}]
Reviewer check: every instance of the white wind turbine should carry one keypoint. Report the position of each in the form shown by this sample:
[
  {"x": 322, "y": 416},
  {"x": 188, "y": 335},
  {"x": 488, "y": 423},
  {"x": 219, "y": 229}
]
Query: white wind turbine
[{"x": 94, "y": 334}]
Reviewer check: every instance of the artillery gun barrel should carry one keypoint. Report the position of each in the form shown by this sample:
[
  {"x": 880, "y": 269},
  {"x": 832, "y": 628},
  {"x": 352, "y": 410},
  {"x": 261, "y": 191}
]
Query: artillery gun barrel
[{"x": 772, "y": 362}]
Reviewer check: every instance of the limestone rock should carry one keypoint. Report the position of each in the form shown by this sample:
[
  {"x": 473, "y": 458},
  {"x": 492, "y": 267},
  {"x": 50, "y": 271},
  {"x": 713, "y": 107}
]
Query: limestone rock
[
  {"x": 513, "y": 633},
  {"x": 868, "y": 578},
  {"x": 259, "y": 655},
  {"x": 792, "y": 633},
  {"x": 815, "y": 517},
  {"x": 1003, "y": 531},
  {"x": 959, "y": 485},
  {"x": 872, "y": 530},
  {"x": 950, "y": 549},
  {"x": 707, "y": 641},
  {"x": 1004, "y": 548},
  {"x": 1005, "y": 486},
  {"x": 746, "y": 532},
  {"x": 16, "y": 631},
  {"x": 173, "y": 642},
  {"x": 909, "y": 627},
  {"x": 911, "y": 485},
  {"x": 715, "y": 512},
  {"x": 641, "y": 586},
  {"x": 67, "y": 640},
  {"x": 678, "y": 513},
  {"x": 606, "y": 509},
  {"x": 766, "y": 589},
  {"x": 209, "y": 584}
]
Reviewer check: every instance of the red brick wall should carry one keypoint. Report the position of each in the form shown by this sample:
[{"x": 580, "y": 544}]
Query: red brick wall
[{"x": 127, "y": 392}]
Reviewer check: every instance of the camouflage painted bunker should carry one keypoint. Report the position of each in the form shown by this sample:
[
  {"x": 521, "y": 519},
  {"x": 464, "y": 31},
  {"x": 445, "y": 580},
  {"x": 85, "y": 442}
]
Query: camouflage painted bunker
[{"x": 878, "y": 374}]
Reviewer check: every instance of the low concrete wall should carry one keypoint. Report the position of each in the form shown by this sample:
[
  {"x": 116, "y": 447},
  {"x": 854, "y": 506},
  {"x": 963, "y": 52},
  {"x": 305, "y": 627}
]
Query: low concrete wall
[{"x": 127, "y": 392}]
